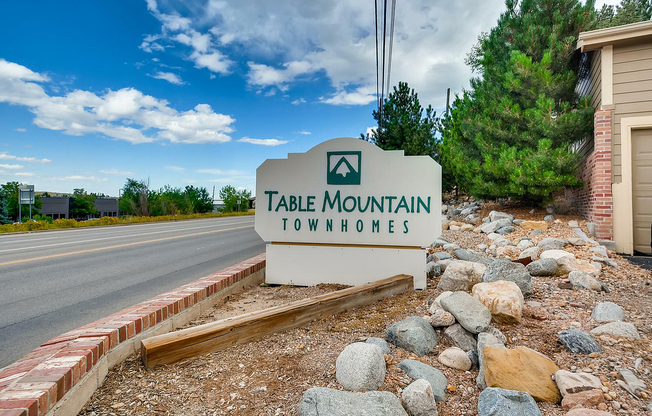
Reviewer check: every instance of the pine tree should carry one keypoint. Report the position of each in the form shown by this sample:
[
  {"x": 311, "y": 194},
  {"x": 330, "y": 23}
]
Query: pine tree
[
  {"x": 4, "y": 214},
  {"x": 628, "y": 11},
  {"x": 405, "y": 124},
  {"x": 510, "y": 134}
]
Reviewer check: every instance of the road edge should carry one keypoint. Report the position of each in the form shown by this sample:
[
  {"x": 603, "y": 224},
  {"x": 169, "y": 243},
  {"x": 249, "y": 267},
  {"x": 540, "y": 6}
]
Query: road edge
[{"x": 61, "y": 375}]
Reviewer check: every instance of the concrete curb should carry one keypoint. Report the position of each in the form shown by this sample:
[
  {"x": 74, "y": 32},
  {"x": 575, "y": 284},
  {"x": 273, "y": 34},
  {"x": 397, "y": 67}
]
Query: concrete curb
[{"x": 60, "y": 376}]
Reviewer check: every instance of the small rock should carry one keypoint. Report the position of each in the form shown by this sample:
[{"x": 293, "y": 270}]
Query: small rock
[
  {"x": 607, "y": 312},
  {"x": 418, "y": 399},
  {"x": 324, "y": 401},
  {"x": 585, "y": 280},
  {"x": 441, "y": 255},
  {"x": 433, "y": 269},
  {"x": 468, "y": 311},
  {"x": 587, "y": 412},
  {"x": 360, "y": 367},
  {"x": 571, "y": 383},
  {"x": 617, "y": 329},
  {"x": 505, "y": 230},
  {"x": 551, "y": 243},
  {"x": 536, "y": 232},
  {"x": 534, "y": 225},
  {"x": 492, "y": 226},
  {"x": 440, "y": 318},
  {"x": 532, "y": 253},
  {"x": 578, "y": 242},
  {"x": 588, "y": 398},
  {"x": 496, "y": 333},
  {"x": 495, "y": 401},
  {"x": 413, "y": 334},
  {"x": 525, "y": 244},
  {"x": 555, "y": 254},
  {"x": 521, "y": 369},
  {"x": 456, "y": 358},
  {"x": 460, "y": 337},
  {"x": 573, "y": 224},
  {"x": 451, "y": 247},
  {"x": 600, "y": 251},
  {"x": 496, "y": 215},
  {"x": 503, "y": 299},
  {"x": 436, "y": 304},
  {"x": 384, "y": 346},
  {"x": 416, "y": 370},
  {"x": 461, "y": 275},
  {"x": 578, "y": 341},
  {"x": 543, "y": 267}
]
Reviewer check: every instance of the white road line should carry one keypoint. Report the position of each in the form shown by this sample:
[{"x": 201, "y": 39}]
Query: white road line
[
  {"x": 117, "y": 229},
  {"x": 117, "y": 236}
]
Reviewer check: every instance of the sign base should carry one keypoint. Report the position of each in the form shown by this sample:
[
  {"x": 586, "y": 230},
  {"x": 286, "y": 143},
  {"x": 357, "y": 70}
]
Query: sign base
[{"x": 307, "y": 265}]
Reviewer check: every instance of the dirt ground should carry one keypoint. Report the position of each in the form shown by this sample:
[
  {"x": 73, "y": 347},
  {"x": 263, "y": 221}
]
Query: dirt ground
[{"x": 268, "y": 377}]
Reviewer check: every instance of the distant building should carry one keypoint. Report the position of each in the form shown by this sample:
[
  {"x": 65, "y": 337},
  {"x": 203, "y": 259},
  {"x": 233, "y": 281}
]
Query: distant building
[
  {"x": 107, "y": 207},
  {"x": 56, "y": 207}
]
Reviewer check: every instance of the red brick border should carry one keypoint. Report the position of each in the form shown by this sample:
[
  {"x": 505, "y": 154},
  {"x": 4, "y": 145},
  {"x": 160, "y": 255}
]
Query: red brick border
[
  {"x": 595, "y": 200},
  {"x": 35, "y": 383}
]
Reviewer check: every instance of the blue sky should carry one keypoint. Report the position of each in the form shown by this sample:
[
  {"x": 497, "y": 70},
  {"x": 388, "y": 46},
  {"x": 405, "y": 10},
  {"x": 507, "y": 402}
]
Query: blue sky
[{"x": 202, "y": 92}]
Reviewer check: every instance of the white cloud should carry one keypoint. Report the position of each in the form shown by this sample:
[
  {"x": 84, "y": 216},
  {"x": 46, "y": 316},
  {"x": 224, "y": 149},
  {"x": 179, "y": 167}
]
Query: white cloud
[
  {"x": 20, "y": 130},
  {"x": 335, "y": 40},
  {"x": 25, "y": 174},
  {"x": 298, "y": 101},
  {"x": 6, "y": 166},
  {"x": 115, "y": 172},
  {"x": 214, "y": 61},
  {"x": 170, "y": 77},
  {"x": 305, "y": 132},
  {"x": 6, "y": 156},
  {"x": 78, "y": 178},
  {"x": 126, "y": 114},
  {"x": 263, "y": 142},
  {"x": 361, "y": 96},
  {"x": 219, "y": 172},
  {"x": 175, "y": 168}
]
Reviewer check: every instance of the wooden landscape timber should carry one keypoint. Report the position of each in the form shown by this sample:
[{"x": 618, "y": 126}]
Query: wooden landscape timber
[{"x": 216, "y": 336}]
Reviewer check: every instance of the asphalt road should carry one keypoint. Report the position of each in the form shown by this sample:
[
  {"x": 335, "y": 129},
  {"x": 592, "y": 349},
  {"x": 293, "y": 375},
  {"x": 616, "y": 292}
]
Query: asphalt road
[{"x": 52, "y": 282}]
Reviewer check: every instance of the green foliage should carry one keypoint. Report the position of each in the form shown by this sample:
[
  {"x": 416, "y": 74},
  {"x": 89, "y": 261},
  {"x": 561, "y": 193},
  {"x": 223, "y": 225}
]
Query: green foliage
[
  {"x": 234, "y": 200},
  {"x": 82, "y": 204},
  {"x": 628, "y": 11},
  {"x": 510, "y": 134},
  {"x": 405, "y": 125},
  {"x": 137, "y": 199},
  {"x": 4, "y": 214},
  {"x": 10, "y": 190}
]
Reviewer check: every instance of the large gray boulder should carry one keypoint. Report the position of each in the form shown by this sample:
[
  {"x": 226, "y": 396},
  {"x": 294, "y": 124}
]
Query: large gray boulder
[
  {"x": 578, "y": 341},
  {"x": 416, "y": 370},
  {"x": 485, "y": 339},
  {"x": 551, "y": 243},
  {"x": 360, "y": 367},
  {"x": 492, "y": 226},
  {"x": 607, "y": 312},
  {"x": 460, "y": 337},
  {"x": 617, "y": 329},
  {"x": 413, "y": 334},
  {"x": 321, "y": 401},
  {"x": 418, "y": 399},
  {"x": 495, "y": 401},
  {"x": 461, "y": 275},
  {"x": 543, "y": 267},
  {"x": 468, "y": 311},
  {"x": 497, "y": 215},
  {"x": 510, "y": 271}
]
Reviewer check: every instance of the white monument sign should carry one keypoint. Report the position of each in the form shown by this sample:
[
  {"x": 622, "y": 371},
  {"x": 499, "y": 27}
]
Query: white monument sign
[{"x": 347, "y": 212}]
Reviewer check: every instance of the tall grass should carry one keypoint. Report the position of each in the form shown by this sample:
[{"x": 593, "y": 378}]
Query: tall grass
[{"x": 64, "y": 223}]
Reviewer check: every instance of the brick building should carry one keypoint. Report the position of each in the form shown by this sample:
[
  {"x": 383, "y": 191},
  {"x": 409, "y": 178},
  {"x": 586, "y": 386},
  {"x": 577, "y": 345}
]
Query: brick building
[{"x": 617, "y": 168}]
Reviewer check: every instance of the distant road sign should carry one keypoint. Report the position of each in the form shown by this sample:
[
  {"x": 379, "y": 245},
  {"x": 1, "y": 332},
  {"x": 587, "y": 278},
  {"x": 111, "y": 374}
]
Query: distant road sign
[{"x": 26, "y": 194}]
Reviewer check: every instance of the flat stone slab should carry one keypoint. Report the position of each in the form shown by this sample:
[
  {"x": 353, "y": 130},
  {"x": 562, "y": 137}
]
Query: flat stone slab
[
  {"x": 321, "y": 401},
  {"x": 416, "y": 370}
]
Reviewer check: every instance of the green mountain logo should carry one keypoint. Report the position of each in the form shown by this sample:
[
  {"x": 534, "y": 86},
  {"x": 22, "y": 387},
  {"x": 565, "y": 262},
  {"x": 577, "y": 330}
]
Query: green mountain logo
[{"x": 344, "y": 168}]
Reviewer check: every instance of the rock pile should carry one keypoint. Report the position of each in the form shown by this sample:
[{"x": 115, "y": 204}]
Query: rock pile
[{"x": 478, "y": 287}]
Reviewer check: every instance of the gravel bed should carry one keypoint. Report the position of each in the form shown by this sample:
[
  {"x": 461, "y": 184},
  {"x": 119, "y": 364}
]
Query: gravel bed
[{"x": 268, "y": 377}]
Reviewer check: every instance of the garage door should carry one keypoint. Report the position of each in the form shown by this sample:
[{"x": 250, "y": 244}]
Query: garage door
[{"x": 642, "y": 188}]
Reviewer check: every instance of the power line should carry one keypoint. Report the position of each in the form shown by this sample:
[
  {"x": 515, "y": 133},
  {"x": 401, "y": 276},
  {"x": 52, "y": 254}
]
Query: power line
[{"x": 384, "y": 50}]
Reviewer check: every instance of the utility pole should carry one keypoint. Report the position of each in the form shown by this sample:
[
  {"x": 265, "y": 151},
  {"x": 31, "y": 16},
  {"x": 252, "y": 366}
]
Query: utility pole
[{"x": 448, "y": 100}]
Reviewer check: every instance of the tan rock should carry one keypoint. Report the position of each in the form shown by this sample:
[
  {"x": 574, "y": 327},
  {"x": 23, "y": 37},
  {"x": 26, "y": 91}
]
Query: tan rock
[
  {"x": 445, "y": 224},
  {"x": 467, "y": 227},
  {"x": 588, "y": 398},
  {"x": 456, "y": 358},
  {"x": 508, "y": 251},
  {"x": 571, "y": 383},
  {"x": 569, "y": 264},
  {"x": 457, "y": 223},
  {"x": 440, "y": 318},
  {"x": 521, "y": 369},
  {"x": 503, "y": 299},
  {"x": 589, "y": 412},
  {"x": 534, "y": 225}
]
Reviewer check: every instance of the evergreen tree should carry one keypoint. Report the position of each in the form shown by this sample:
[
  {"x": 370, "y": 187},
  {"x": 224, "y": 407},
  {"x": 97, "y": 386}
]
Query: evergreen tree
[
  {"x": 510, "y": 134},
  {"x": 404, "y": 124},
  {"x": 4, "y": 214},
  {"x": 628, "y": 11}
]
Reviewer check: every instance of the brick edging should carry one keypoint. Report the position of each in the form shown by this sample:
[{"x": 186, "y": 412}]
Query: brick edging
[{"x": 34, "y": 384}]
